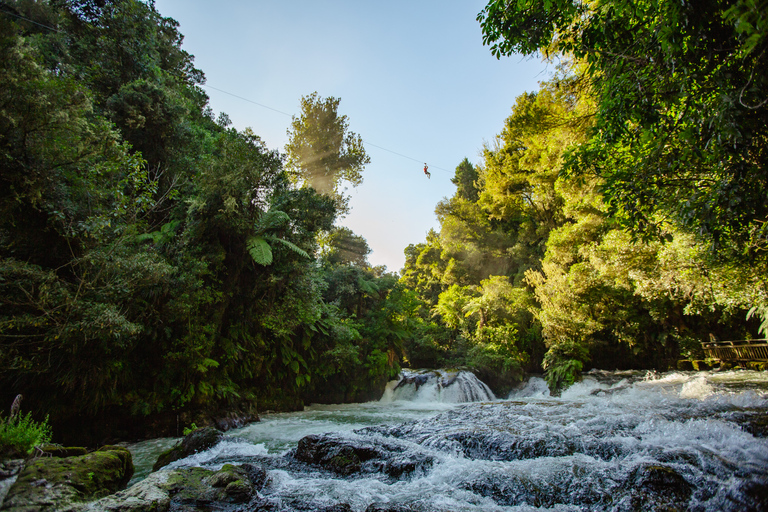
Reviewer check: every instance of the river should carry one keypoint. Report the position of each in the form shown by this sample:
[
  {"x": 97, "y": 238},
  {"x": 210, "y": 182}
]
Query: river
[{"x": 614, "y": 441}]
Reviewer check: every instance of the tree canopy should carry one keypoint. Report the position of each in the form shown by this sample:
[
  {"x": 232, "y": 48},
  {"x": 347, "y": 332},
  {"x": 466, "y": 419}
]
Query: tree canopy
[
  {"x": 321, "y": 150},
  {"x": 681, "y": 119}
]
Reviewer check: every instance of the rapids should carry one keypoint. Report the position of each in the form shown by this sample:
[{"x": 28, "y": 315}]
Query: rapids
[{"x": 614, "y": 441}]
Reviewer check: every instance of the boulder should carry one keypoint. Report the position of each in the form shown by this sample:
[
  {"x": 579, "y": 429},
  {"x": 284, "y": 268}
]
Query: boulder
[
  {"x": 387, "y": 507},
  {"x": 189, "y": 489},
  {"x": 60, "y": 483},
  {"x": 339, "y": 507},
  {"x": 196, "y": 441},
  {"x": 346, "y": 456},
  {"x": 9, "y": 471},
  {"x": 656, "y": 487}
]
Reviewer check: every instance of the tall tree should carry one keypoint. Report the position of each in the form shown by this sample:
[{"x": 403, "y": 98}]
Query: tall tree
[
  {"x": 681, "y": 133},
  {"x": 321, "y": 150}
]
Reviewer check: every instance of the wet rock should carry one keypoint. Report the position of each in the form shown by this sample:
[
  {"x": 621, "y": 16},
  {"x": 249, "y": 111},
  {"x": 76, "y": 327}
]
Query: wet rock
[
  {"x": 60, "y": 483},
  {"x": 9, "y": 471},
  {"x": 417, "y": 380},
  {"x": 753, "y": 420},
  {"x": 337, "y": 455},
  {"x": 523, "y": 489},
  {"x": 387, "y": 507},
  {"x": 339, "y": 507},
  {"x": 750, "y": 496},
  {"x": 237, "y": 417},
  {"x": 658, "y": 488},
  {"x": 191, "y": 489},
  {"x": 197, "y": 441},
  {"x": 346, "y": 456}
]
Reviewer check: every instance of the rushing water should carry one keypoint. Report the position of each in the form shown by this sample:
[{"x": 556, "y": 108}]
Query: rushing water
[{"x": 615, "y": 441}]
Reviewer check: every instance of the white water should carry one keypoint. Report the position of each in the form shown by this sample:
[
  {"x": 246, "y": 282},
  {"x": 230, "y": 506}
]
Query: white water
[{"x": 585, "y": 450}]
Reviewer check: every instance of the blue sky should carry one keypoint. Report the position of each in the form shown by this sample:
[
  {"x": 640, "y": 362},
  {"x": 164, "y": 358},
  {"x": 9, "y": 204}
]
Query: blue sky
[{"x": 413, "y": 77}]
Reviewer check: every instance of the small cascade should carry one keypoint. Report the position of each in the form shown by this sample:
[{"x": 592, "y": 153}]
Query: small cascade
[
  {"x": 614, "y": 441},
  {"x": 444, "y": 386},
  {"x": 533, "y": 387}
]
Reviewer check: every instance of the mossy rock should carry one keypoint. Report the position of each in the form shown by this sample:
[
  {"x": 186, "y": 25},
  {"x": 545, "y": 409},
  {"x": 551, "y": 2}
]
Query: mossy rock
[
  {"x": 345, "y": 462},
  {"x": 230, "y": 484},
  {"x": 196, "y": 441},
  {"x": 188, "y": 489},
  {"x": 54, "y": 483}
]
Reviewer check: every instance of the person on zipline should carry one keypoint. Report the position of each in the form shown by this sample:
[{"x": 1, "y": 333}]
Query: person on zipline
[{"x": 426, "y": 171}]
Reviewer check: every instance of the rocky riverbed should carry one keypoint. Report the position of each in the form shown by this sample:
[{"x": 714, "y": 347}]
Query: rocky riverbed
[{"x": 614, "y": 442}]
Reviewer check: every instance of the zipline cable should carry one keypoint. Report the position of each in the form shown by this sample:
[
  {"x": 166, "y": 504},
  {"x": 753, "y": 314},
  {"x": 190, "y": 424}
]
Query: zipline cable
[
  {"x": 367, "y": 143},
  {"x": 29, "y": 20},
  {"x": 244, "y": 99}
]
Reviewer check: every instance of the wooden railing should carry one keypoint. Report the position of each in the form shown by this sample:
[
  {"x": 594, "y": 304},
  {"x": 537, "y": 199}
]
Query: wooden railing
[{"x": 743, "y": 350}]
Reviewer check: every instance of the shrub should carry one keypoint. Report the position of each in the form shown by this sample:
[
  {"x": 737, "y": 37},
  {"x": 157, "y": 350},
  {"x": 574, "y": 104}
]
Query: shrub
[
  {"x": 563, "y": 363},
  {"x": 21, "y": 434}
]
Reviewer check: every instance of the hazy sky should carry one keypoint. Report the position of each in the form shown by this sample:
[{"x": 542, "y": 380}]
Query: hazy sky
[{"x": 413, "y": 76}]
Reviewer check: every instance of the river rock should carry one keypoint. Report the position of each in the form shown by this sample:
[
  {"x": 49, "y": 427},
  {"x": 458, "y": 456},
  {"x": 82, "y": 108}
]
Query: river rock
[
  {"x": 190, "y": 489},
  {"x": 9, "y": 471},
  {"x": 198, "y": 440},
  {"x": 346, "y": 456},
  {"x": 60, "y": 483},
  {"x": 655, "y": 487},
  {"x": 387, "y": 507}
]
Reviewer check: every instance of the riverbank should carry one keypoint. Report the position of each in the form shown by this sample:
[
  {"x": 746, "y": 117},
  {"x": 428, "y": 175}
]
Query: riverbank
[{"x": 614, "y": 441}]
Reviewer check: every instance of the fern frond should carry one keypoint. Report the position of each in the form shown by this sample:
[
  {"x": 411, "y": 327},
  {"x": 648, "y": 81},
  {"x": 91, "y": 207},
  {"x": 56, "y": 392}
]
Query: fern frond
[
  {"x": 259, "y": 250},
  {"x": 271, "y": 220},
  {"x": 295, "y": 248},
  {"x": 368, "y": 287}
]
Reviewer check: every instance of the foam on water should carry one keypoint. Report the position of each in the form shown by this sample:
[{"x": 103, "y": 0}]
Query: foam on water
[
  {"x": 442, "y": 386},
  {"x": 534, "y": 387},
  {"x": 588, "y": 449},
  {"x": 228, "y": 448}
]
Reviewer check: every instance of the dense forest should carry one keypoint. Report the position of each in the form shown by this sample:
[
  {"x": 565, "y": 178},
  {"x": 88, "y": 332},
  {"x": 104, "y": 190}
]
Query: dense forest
[{"x": 160, "y": 267}]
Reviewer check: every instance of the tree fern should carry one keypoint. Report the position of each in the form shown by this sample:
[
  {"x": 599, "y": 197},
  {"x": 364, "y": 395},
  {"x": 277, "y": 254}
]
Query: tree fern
[
  {"x": 295, "y": 248},
  {"x": 271, "y": 220},
  {"x": 259, "y": 250},
  {"x": 258, "y": 245},
  {"x": 761, "y": 311}
]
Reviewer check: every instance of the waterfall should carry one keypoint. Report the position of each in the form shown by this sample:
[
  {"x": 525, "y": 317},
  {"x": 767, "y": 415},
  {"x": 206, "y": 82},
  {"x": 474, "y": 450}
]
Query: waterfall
[
  {"x": 613, "y": 442},
  {"x": 444, "y": 386}
]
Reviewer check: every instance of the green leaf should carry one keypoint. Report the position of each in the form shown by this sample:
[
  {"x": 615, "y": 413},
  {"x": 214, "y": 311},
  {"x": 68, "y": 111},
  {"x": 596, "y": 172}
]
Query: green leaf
[
  {"x": 295, "y": 248},
  {"x": 271, "y": 220},
  {"x": 259, "y": 250}
]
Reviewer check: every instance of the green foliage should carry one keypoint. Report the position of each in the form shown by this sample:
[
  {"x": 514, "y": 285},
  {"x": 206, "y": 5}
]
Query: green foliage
[
  {"x": 154, "y": 259},
  {"x": 20, "y": 435},
  {"x": 342, "y": 246},
  {"x": 681, "y": 114},
  {"x": 259, "y": 250},
  {"x": 761, "y": 311},
  {"x": 561, "y": 372},
  {"x": 257, "y": 244},
  {"x": 497, "y": 355},
  {"x": 321, "y": 150},
  {"x": 171, "y": 272},
  {"x": 538, "y": 256},
  {"x": 563, "y": 363}
]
